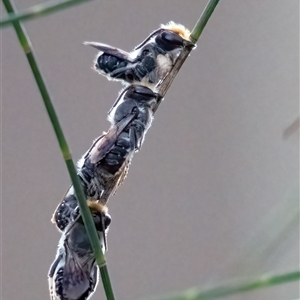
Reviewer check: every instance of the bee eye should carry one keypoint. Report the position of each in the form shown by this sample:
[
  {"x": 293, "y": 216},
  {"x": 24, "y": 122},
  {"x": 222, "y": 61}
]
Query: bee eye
[
  {"x": 172, "y": 38},
  {"x": 98, "y": 221},
  {"x": 169, "y": 40},
  {"x": 107, "y": 220}
]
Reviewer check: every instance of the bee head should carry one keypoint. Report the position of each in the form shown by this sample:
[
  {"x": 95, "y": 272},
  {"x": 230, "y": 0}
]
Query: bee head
[
  {"x": 101, "y": 220},
  {"x": 169, "y": 40},
  {"x": 174, "y": 36},
  {"x": 100, "y": 215},
  {"x": 178, "y": 29}
]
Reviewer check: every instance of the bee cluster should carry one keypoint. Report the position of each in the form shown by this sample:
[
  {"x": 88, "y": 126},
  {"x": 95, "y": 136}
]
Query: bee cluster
[{"x": 74, "y": 273}]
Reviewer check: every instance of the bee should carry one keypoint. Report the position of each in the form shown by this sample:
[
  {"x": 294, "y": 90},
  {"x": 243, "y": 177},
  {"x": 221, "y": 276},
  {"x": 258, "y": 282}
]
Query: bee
[
  {"x": 149, "y": 62},
  {"x": 105, "y": 165},
  {"x": 74, "y": 273}
]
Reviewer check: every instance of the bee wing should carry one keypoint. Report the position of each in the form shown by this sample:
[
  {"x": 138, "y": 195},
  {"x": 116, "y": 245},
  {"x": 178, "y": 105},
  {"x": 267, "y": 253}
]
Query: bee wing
[
  {"x": 73, "y": 274},
  {"x": 65, "y": 210},
  {"x": 94, "y": 277},
  {"x": 159, "y": 31},
  {"x": 111, "y": 50},
  {"x": 154, "y": 33},
  {"x": 51, "y": 276},
  {"x": 78, "y": 271},
  {"x": 97, "y": 152},
  {"x": 76, "y": 282},
  {"x": 116, "y": 181},
  {"x": 104, "y": 144}
]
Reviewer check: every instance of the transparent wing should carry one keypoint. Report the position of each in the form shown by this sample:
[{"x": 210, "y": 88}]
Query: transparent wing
[
  {"x": 105, "y": 143},
  {"x": 107, "y": 49}
]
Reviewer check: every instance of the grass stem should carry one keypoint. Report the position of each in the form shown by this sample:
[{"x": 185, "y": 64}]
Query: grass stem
[
  {"x": 85, "y": 212},
  {"x": 39, "y": 10},
  {"x": 234, "y": 288},
  {"x": 201, "y": 23}
]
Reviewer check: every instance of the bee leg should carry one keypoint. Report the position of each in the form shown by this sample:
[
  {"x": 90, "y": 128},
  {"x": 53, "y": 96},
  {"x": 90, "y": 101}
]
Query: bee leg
[
  {"x": 76, "y": 213},
  {"x": 146, "y": 69},
  {"x": 136, "y": 134},
  {"x": 138, "y": 73},
  {"x": 54, "y": 265},
  {"x": 133, "y": 138},
  {"x": 102, "y": 222},
  {"x": 129, "y": 74},
  {"x": 122, "y": 73}
]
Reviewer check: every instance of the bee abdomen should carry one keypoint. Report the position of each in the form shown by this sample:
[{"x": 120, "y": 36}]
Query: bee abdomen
[
  {"x": 114, "y": 160},
  {"x": 65, "y": 211},
  {"x": 59, "y": 279},
  {"x": 108, "y": 63}
]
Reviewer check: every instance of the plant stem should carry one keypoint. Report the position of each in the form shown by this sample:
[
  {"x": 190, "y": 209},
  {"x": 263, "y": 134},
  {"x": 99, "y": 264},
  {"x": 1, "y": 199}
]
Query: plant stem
[
  {"x": 106, "y": 283},
  {"x": 198, "y": 28},
  {"x": 85, "y": 212},
  {"x": 195, "y": 34},
  {"x": 39, "y": 10},
  {"x": 234, "y": 288}
]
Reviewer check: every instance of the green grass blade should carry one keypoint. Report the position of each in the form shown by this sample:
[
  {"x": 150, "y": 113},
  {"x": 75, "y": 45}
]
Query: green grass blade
[
  {"x": 267, "y": 236},
  {"x": 86, "y": 215},
  {"x": 234, "y": 288},
  {"x": 195, "y": 34},
  {"x": 106, "y": 283},
  {"x": 201, "y": 23},
  {"x": 39, "y": 10}
]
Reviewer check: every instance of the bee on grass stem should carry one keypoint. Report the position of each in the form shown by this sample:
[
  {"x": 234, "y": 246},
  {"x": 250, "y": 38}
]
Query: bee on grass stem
[
  {"x": 74, "y": 273},
  {"x": 105, "y": 165},
  {"x": 149, "y": 62}
]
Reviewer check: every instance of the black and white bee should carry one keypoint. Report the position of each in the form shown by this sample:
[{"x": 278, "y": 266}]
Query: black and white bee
[
  {"x": 74, "y": 273},
  {"x": 105, "y": 165},
  {"x": 149, "y": 62}
]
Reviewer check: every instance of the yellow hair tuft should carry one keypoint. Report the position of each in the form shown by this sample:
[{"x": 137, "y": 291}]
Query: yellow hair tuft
[
  {"x": 97, "y": 206},
  {"x": 179, "y": 29}
]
